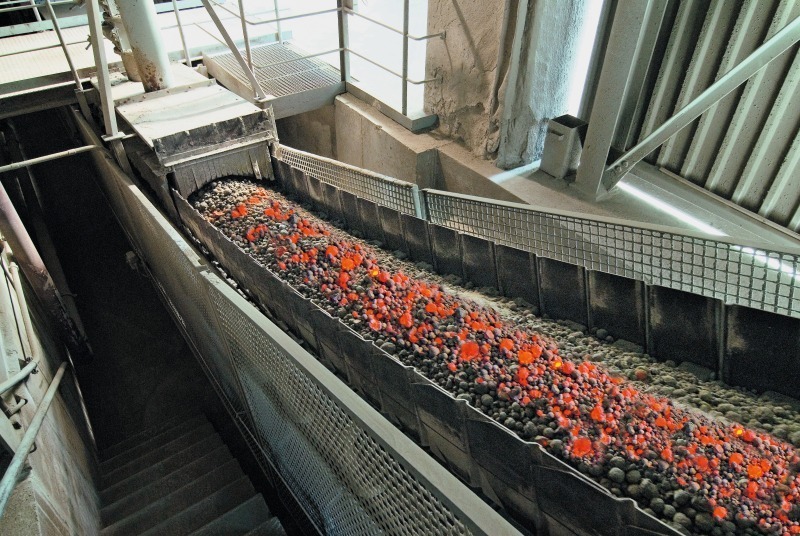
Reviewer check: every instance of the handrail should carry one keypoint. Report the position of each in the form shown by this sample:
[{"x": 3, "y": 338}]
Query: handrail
[
  {"x": 57, "y": 28},
  {"x": 20, "y": 8},
  {"x": 11, "y": 382},
  {"x": 11, "y": 476},
  {"x": 47, "y": 158},
  {"x": 177, "y": 11},
  {"x": 442, "y": 34},
  {"x": 276, "y": 19},
  {"x": 398, "y": 75}
]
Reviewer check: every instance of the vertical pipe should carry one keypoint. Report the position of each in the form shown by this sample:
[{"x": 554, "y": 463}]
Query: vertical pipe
[
  {"x": 139, "y": 18},
  {"x": 28, "y": 341},
  {"x": 246, "y": 37},
  {"x": 180, "y": 31},
  {"x": 344, "y": 39},
  {"x": 57, "y": 28},
  {"x": 277, "y": 22},
  {"x": 404, "y": 93},
  {"x": 101, "y": 65},
  {"x": 27, "y": 257},
  {"x": 36, "y": 11}
]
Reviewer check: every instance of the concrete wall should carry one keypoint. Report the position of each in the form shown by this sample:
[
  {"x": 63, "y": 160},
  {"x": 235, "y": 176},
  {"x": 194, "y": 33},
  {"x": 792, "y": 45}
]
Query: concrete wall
[
  {"x": 312, "y": 131},
  {"x": 538, "y": 82},
  {"x": 471, "y": 65},
  {"x": 367, "y": 138},
  {"x": 58, "y": 494}
]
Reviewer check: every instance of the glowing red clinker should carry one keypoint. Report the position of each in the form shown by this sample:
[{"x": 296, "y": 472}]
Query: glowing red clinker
[{"x": 602, "y": 414}]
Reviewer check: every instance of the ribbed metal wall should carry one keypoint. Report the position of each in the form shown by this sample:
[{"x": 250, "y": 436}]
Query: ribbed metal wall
[{"x": 746, "y": 148}]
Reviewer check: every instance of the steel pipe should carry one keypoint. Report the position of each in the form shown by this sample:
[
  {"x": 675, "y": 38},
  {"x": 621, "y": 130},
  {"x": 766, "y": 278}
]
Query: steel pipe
[
  {"x": 393, "y": 29},
  {"x": 277, "y": 19},
  {"x": 404, "y": 77},
  {"x": 768, "y": 51},
  {"x": 20, "y": 376},
  {"x": 27, "y": 257},
  {"x": 46, "y": 47},
  {"x": 180, "y": 31},
  {"x": 103, "y": 82},
  {"x": 47, "y": 158},
  {"x": 57, "y": 28},
  {"x": 11, "y": 476},
  {"x": 245, "y": 35},
  {"x": 28, "y": 341},
  {"x": 21, "y": 8},
  {"x": 144, "y": 34},
  {"x": 376, "y": 64}
]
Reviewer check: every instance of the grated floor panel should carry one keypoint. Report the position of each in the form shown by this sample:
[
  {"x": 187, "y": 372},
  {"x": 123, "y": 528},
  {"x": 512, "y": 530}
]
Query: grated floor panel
[{"x": 288, "y": 84}]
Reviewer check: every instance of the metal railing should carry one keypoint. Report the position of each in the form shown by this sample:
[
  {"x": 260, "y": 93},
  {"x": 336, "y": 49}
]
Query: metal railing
[
  {"x": 734, "y": 271},
  {"x": 342, "y": 11},
  {"x": 11, "y": 476},
  {"x": 349, "y": 468}
]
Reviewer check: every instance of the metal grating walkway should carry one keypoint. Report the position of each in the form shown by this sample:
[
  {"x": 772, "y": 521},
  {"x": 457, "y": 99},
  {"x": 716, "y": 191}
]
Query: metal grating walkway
[{"x": 293, "y": 86}]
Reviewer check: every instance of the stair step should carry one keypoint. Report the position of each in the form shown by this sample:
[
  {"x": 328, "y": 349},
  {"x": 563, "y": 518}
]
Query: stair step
[
  {"x": 142, "y": 462},
  {"x": 147, "y": 445},
  {"x": 144, "y": 435},
  {"x": 238, "y": 521},
  {"x": 159, "y": 470},
  {"x": 175, "y": 480},
  {"x": 208, "y": 509},
  {"x": 177, "y": 501},
  {"x": 271, "y": 527}
]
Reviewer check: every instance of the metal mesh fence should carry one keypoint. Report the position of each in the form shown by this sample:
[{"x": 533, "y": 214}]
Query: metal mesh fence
[
  {"x": 348, "y": 477},
  {"x": 738, "y": 274},
  {"x": 399, "y": 195}
]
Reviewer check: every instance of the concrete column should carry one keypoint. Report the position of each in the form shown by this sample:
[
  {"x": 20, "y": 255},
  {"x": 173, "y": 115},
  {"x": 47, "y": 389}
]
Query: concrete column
[
  {"x": 470, "y": 66},
  {"x": 546, "y": 42},
  {"x": 139, "y": 18}
]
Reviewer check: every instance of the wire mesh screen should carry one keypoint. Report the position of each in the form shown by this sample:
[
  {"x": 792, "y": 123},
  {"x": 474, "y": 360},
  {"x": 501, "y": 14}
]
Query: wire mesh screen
[
  {"x": 350, "y": 482},
  {"x": 347, "y": 479},
  {"x": 736, "y": 274},
  {"x": 399, "y": 195}
]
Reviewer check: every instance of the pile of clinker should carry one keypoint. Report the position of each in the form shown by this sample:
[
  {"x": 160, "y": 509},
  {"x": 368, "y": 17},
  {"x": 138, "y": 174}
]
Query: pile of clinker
[{"x": 699, "y": 474}]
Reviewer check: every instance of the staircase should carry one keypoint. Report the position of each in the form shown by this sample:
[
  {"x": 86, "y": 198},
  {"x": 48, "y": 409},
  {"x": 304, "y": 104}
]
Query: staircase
[{"x": 179, "y": 478}]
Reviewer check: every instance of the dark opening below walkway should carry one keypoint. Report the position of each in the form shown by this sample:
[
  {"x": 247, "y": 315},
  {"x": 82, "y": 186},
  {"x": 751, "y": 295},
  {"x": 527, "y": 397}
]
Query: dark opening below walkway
[{"x": 142, "y": 371}]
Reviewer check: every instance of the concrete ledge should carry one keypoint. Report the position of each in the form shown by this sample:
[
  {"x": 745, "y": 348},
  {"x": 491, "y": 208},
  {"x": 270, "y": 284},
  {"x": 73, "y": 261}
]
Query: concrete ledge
[{"x": 367, "y": 138}]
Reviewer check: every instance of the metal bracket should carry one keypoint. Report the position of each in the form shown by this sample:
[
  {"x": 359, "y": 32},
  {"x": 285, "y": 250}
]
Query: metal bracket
[
  {"x": 83, "y": 103},
  {"x": 14, "y": 408},
  {"x": 118, "y": 150}
]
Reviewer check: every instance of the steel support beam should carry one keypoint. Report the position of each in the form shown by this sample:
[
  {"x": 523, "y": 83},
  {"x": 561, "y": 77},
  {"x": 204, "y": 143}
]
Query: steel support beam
[
  {"x": 771, "y": 49},
  {"x": 144, "y": 34},
  {"x": 623, "y": 49},
  {"x": 101, "y": 65}
]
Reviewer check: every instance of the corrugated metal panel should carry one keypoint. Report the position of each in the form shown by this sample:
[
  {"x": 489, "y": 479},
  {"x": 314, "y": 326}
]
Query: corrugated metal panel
[{"x": 745, "y": 148}]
